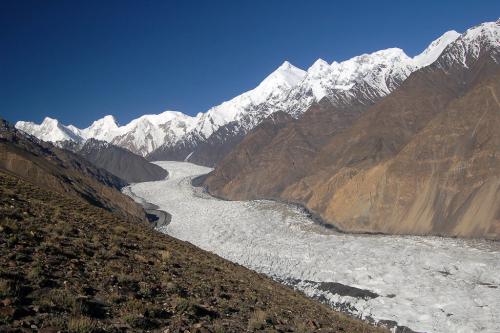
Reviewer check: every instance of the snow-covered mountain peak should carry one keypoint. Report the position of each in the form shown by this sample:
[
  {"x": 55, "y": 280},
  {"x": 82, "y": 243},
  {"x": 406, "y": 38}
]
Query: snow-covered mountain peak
[
  {"x": 49, "y": 130},
  {"x": 318, "y": 67},
  {"x": 109, "y": 119},
  {"x": 286, "y": 65},
  {"x": 148, "y": 132},
  {"x": 274, "y": 86},
  {"x": 102, "y": 129},
  {"x": 483, "y": 38},
  {"x": 376, "y": 67},
  {"x": 47, "y": 121},
  {"x": 158, "y": 119},
  {"x": 488, "y": 31},
  {"x": 107, "y": 122},
  {"x": 386, "y": 56},
  {"x": 434, "y": 50},
  {"x": 285, "y": 76}
]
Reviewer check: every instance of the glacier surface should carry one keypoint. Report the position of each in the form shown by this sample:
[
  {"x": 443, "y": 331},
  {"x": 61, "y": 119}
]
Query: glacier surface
[{"x": 428, "y": 284}]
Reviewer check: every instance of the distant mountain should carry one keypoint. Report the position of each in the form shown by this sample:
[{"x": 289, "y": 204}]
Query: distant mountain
[
  {"x": 360, "y": 80},
  {"x": 50, "y": 130},
  {"x": 422, "y": 160},
  {"x": 118, "y": 161},
  {"x": 59, "y": 170},
  {"x": 207, "y": 137}
]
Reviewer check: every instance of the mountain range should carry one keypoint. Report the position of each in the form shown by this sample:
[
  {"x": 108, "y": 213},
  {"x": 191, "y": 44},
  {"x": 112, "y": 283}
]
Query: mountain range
[
  {"x": 207, "y": 137},
  {"x": 382, "y": 142},
  {"x": 424, "y": 159}
]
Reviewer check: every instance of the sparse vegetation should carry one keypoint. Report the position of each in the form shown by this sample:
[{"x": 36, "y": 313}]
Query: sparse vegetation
[
  {"x": 81, "y": 325},
  {"x": 71, "y": 267}
]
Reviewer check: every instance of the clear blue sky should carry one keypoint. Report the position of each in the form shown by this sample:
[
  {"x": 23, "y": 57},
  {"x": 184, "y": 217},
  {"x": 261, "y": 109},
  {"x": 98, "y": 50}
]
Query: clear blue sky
[{"x": 80, "y": 60}]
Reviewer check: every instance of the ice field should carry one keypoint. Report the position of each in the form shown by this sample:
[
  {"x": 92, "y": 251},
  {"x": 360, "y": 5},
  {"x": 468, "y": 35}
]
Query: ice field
[{"x": 429, "y": 284}]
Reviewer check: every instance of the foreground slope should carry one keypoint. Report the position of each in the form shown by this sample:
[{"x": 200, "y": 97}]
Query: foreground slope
[
  {"x": 86, "y": 270},
  {"x": 423, "y": 160}
]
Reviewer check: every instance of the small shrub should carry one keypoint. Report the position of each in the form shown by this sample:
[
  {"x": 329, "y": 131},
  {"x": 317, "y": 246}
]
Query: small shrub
[
  {"x": 258, "y": 320},
  {"x": 81, "y": 325},
  {"x": 60, "y": 299},
  {"x": 135, "y": 306},
  {"x": 12, "y": 241},
  {"x": 5, "y": 288},
  {"x": 120, "y": 229},
  {"x": 165, "y": 255},
  {"x": 183, "y": 304},
  {"x": 36, "y": 272},
  {"x": 9, "y": 225},
  {"x": 145, "y": 290}
]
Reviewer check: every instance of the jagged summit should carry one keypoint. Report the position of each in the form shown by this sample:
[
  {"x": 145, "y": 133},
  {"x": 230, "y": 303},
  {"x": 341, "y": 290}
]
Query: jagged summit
[
  {"x": 49, "y": 121},
  {"x": 49, "y": 130},
  {"x": 483, "y": 38}
]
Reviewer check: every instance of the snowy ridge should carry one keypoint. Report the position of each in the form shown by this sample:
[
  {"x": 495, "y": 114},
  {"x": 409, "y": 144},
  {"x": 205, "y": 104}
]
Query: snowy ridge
[
  {"x": 364, "y": 78},
  {"x": 361, "y": 79},
  {"x": 275, "y": 85},
  {"x": 471, "y": 44},
  {"x": 50, "y": 130}
]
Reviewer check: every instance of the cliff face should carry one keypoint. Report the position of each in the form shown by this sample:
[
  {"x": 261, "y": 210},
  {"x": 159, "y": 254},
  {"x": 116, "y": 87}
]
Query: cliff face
[
  {"x": 62, "y": 171},
  {"x": 423, "y": 160},
  {"x": 278, "y": 152}
]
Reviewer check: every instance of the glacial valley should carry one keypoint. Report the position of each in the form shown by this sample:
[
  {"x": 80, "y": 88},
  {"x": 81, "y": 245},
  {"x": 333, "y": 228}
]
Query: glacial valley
[{"x": 429, "y": 284}]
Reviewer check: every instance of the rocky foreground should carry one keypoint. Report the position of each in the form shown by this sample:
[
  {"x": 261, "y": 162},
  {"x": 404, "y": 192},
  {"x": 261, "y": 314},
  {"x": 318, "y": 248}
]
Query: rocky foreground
[{"x": 66, "y": 265}]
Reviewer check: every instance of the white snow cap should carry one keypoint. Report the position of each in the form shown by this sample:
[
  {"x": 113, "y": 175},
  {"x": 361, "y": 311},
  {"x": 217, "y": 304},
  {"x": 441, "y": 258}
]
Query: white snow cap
[
  {"x": 488, "y": 31},
  {"x": 470, "y": 44},
  {"x": 434, "y": 50},
  {"x": 285, "y": 76},
  {"x": 49, "y": 130},
  {"x": 101, "y": 129}
]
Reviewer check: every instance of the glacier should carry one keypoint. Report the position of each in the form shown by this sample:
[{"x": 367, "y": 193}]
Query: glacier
[{"x": 429, "y": 284}]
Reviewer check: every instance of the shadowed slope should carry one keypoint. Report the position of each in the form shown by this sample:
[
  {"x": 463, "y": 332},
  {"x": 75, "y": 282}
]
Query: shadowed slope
[
  {"x": 60, "y": 170},
  {"x": 118, "y": 161}
]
